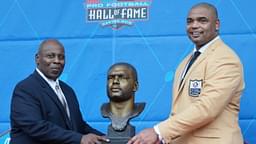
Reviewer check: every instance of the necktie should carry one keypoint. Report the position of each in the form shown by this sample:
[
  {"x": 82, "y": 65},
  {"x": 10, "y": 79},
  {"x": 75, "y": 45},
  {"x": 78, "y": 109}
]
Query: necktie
[
  {"x": 62, "y": 99},
  {"x": 192, "y": 60}
]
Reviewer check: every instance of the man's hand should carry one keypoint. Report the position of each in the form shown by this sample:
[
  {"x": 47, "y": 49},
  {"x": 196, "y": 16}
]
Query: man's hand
[
  {"x": 147, "y": 136},
  {"x": 93, "y": 139}
]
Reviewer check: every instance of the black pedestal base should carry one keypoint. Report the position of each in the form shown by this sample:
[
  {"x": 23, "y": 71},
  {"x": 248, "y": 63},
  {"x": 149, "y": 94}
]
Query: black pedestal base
[{"x": 120, "y": 137}]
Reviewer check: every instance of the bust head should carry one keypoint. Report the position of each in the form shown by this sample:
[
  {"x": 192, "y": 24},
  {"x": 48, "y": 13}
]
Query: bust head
[{"x": 122, "y": 82}]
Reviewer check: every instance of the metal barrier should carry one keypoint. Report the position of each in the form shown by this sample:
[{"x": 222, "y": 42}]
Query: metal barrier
[{"x": 5, "y": 132}]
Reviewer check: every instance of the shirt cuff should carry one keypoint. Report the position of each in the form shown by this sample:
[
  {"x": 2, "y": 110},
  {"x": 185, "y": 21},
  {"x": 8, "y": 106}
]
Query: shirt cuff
[{"x": 158, "y": 134}]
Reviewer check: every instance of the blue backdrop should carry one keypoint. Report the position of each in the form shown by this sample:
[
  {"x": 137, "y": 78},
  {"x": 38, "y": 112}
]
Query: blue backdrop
[{"x": 155, "y": 47}]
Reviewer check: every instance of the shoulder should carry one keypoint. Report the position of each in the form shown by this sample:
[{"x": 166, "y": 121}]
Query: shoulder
[
  {"x": 221, "y": 51},
  {"x": 32, "y": 83},
  {"x": 26, "y": 89},
  {"x": 29, "y": 81}
]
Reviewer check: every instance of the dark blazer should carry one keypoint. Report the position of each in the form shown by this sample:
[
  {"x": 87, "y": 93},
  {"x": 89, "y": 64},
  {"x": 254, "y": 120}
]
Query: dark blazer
[{"x": 38, "y": 117}]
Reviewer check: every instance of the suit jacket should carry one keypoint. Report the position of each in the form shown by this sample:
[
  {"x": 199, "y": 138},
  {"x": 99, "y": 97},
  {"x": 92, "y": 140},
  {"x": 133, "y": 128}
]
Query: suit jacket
[
  {"x": 205, "y": 107},
  {"x": 38, "y": 117}
]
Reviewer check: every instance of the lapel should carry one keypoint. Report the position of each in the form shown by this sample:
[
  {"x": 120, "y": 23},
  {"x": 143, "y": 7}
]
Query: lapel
[
  {"x": 200, "y": 59},
  {"x": 178, "y": 75},
  {"x": 50, "y": 92}
]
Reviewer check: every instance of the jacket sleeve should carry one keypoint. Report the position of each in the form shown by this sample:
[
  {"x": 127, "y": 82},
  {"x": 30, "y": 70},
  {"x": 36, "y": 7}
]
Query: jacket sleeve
[
  {"x": 85, "y": 127},
  {"x": 26, "y": 114}
]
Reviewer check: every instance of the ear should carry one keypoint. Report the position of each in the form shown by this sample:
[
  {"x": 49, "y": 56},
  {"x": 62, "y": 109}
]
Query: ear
[
  {"x": 37, "y": 59},
  {"x": 136, "y": 86},
  {"x": 217, "y": 24}
]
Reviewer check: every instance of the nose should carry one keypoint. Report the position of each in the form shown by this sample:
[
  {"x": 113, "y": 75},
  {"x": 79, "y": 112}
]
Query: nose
[
  {"x": 116, "y": 79},
  {"x": 194, "y": 24},
  {"x": 56, "y": 60}
]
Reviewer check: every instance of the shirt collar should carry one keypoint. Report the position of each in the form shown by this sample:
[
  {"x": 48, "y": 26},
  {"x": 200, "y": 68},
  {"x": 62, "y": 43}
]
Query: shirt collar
[
  {"x": 51, "y": 82},
  {"x": 203, "y": 48}
]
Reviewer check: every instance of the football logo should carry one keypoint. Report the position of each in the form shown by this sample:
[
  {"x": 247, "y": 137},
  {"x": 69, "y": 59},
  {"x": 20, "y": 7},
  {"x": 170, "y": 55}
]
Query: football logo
[{"x": 117, "y": 13}]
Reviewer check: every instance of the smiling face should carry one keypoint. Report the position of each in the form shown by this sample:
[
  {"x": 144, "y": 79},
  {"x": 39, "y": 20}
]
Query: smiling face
[
  {"x": 121, "y": 83},
  {"x": 50, "y": 59},
  {"x": 202, "y": 25}
]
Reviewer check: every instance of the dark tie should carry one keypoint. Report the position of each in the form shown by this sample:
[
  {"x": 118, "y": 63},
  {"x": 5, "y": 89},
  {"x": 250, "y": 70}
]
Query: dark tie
[{"x": 193, "y": 59}]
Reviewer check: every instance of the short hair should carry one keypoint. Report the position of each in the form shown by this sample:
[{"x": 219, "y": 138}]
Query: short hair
[
  {"x": 207, "y": 5},
  {"x": 129, "y": 66},
  {"x": 48, "y": 40}
]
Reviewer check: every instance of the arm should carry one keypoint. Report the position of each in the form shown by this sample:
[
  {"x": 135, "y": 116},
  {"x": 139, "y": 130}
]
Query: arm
[
  {"x": 84, "y": 127},
  {"x": 91, "y": 135},
  {"x": 27, "y": 115}
]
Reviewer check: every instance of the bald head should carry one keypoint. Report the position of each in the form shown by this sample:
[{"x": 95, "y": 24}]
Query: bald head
[
  {"x": 50, "y": 58},
  {"x": 207, "y": 6},
  {"x": 47, "y": 43},
  {"x": 202, "y": 24}
]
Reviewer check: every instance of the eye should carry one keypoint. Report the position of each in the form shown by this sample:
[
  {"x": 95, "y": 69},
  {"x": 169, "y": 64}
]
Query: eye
[
  {"x": 123, "y": 77},
  {"x": 189, "y": 21},
  {"x": 110, "y": 77},
  {"x": 61, "y": 57},
  {"x": 203, "y": 20},
  {"x": 50, "y": 56}
]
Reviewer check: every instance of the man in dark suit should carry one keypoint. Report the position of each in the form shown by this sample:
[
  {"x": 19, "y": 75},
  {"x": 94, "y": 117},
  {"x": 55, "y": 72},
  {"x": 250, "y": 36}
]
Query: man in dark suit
[{"x": 45, "y": 110}]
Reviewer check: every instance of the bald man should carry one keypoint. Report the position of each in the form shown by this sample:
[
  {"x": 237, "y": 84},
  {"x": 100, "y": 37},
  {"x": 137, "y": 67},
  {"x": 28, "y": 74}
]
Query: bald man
[
  {"x": 44, "y": 109},
  {"x": 206, "y": 91}
]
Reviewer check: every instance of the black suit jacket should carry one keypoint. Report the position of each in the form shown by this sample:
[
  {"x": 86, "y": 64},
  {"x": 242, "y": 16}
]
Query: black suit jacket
[{"x": 38, "y": 117}]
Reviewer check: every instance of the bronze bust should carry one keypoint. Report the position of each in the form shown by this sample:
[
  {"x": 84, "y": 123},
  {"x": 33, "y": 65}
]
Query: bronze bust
[{"x": 122, "y": 83}]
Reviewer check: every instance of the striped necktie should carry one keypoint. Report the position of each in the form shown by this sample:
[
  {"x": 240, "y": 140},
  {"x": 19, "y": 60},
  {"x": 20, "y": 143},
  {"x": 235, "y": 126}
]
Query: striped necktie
[{"x": 62, "y": 98}]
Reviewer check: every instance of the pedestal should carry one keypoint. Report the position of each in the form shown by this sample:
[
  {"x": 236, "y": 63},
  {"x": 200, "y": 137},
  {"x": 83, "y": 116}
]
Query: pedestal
[{"x": 120, "y": 137}]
